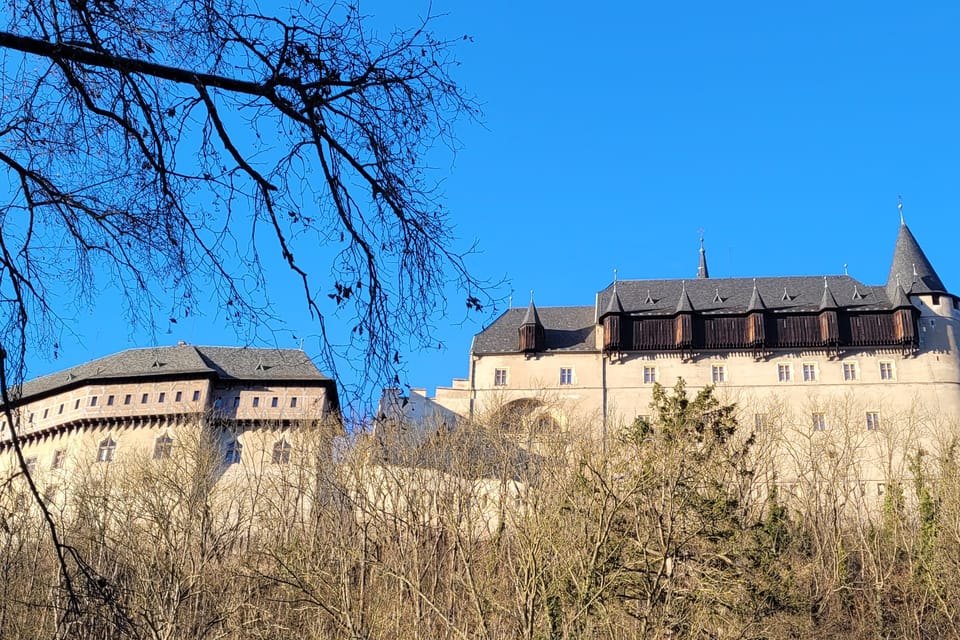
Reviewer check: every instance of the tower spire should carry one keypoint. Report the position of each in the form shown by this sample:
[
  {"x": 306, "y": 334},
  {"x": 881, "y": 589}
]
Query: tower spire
[
  {"x": 702, "y": 268},
  {"x": 912, "y": 267}
]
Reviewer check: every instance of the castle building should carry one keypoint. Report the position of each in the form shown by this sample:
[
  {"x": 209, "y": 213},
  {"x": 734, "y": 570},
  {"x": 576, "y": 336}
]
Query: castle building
[
  {"x": 145, "y": 404},
  {"x": 804, "y": 354}
]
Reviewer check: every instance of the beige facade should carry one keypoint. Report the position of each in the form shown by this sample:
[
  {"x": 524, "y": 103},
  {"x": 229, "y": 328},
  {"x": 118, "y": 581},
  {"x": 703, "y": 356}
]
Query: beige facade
[
  {"x": 254, "y": 410},
  {"x": 880, "y": 383}
]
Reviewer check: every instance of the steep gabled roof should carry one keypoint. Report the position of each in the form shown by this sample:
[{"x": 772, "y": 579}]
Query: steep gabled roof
[
  {"x": 916, "y": 273},
  {"x": 565, "y": 329},
  {"x": 827, "y": 301},
  {"x": 531, "y": 316}
]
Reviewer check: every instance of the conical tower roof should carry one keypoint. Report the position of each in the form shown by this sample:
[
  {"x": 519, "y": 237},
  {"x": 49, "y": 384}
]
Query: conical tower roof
[
  {"x": 684, "y": 305},
  {"x": 531, "y": 316},
  {"x": 614, "y": 305},
  {"x": 827, "y": 301},
  {"x": 910, "y": 263},
  {"x": 756, "y": 302}
]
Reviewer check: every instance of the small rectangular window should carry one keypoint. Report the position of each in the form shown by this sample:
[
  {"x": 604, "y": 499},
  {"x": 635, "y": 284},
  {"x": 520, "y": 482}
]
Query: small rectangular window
[
  {"x": 109, "y": 401},
  {"x": 566, "y": 375},
  {"x": 178, "y": 397},
  {"x": 873, "y": 420},
  {"x": 881, "y": 488},
  {"x": 127, "y": 398},
  {"x": 293, "y": 402},
  {"x": 783, "y": 372},
  {"x": 256, "y": 401},
  {"x": 936, "y": 299},
  {"x": 162, "y": 397},
  {"x": 500, "y": 377},
  {"x": 718, "y": 373},
  {"x": 850, "y": 371},
  {"x": 93, "y": 401},
  {"x": 45, "y": 412},
  {"x": 61, "y": 409},
  {"x": 886, "y": 371},
  {"x": 196, "y": 395},
  {"x": 58, "y": 457},
  {"x": 809, "y": 372},
  {"x": 759, "y": 421},
  {"x": 31, "y": 464},
  {"x": 236, "y": 401},
  {"x": 144, "y": 398},
  {"x": 30, "y": 419},
  {"x": 649, "y": 375},
  {"x": 274, "y": 402},
  {"x": 819, "y": 422},
  {"x": 76, "y": 404}
]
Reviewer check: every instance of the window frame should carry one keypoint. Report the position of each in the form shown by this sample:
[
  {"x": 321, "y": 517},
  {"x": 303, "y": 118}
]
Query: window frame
[
  {"x": 281, "y": 451},
  {"x": 59, "y": 458},
  {"x": 887, "y": 371},
  {"x": 163, "y": 447},
  {"x": 500, "y": 376},
  {"x": 784, "y": 372},
  {"x": 107, "y": 450},
  {"x": 650, "y": 374},
  {"x": 233, "y": 453},
  {"x": 819, "y": 421},
  {"x": 810, "y": 371},
  {"x": 566, "y": 376},
  {"x": 718, "y": 373},
  {"x": 851, "y": 372},
  {"x": 873, "y": 420}
]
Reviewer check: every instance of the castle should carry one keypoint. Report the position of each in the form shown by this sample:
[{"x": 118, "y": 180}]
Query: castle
[
  {"x": 146, "y": 404},
  {"x": 798, "y": 355}
]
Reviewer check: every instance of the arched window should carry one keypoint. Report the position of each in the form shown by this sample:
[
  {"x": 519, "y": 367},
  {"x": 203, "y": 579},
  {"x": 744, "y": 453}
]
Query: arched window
[
  {"x": 234, "y": 452},
  {"x": 163, "y": 447},
  {"x": 281, "y": 452},
  {"x": 107, "y": 450}
]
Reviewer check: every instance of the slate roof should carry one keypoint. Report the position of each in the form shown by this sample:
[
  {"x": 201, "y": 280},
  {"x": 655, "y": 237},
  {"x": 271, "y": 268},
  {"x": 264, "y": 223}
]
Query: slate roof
[
  {"x": 733, "y": 295},
  {"x": 565, "y": 329},
  {"x": 910, "y": 263},
  {"x": 225, "y": 363}
]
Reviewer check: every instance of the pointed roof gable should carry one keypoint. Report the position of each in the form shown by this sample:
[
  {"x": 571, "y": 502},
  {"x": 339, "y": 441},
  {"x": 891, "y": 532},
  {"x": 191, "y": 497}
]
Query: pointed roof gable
[
  {"x": 910, "y": 263},
  {"x": 531, "y": 316},
  {"x": 683, "y": 304},
  {"x": 827, "y": 301},
  {"x": 614, "y": 305},
  {"x": 756, "y": 302},
  {"x": 899, "y": 299}
]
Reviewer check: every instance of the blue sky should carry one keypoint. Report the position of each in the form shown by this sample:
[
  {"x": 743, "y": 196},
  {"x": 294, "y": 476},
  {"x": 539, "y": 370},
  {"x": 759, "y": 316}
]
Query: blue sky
[{"x": 613, "y": 132}]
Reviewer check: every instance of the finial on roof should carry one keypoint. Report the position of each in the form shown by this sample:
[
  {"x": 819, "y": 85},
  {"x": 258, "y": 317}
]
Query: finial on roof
[
  {"x": 649, "y": 298},
  {"x": 702, "y": 271},
  {"x": 845, "y": 269},
  {"x": 914, "y": 269},
  {"x": 614, "y": 276},
  {"x": 900, "y": 207},
  {"x": 825, "y": 285},
  {"x": 531, "y": 296},
  {"x": 856, "y": 293},
  {"x": 718, "y": 298},
  {"x": 510, "y": 302}
]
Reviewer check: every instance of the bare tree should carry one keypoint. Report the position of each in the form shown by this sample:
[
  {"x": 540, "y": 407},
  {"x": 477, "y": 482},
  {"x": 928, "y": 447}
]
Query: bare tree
[{"x": 179, "y": 147}]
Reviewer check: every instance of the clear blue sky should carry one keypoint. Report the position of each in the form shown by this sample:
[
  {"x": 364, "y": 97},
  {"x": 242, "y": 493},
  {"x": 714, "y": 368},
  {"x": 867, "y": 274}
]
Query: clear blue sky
[{"x": 784, "y": 130}]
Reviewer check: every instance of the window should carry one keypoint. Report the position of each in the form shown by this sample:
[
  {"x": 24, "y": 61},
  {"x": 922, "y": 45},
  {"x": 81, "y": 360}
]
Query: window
[
  {"x": 127, "y": 398},
  {"x": 163, "y": 448},
  {"x": 760, "y": 421},
  {"x": 274, "y": 402},
  {"x": 61, "y": 408},
  {"x": 31, "y": 464},
  {"x": 30, "y": 418},
  {"x": 45, "y": 412},
  {"x": 566, "y": 375},
  {"x": 281, "y": 452},
  {"x": 107, "y": 450},
  {"x": 234, "y": 452},
  {"x": 76, "y": 404},
  {"x": 59, "y": 456},
  {"x": 886, "y": 371},
  {"x": 499, "y": 377},
  {"x": 649, "y": 375},
  {"x": 178, "y": 397},
  {"x": 881, "y": 488},
  {"x": 783, "y": 372},
  {"x": 109, "y": 401},
  {"x": 809, "y": 372},
  {"x": 162, "y": 397},
  {"x": 873, "y": 420},
  {"x": 850, "y": 371},
  {"x": 236, "y": 401},
  {"x": 196, "y": 395},
  {"x": 144, "y": 398},
  {"x": 293, "y": 402},
  {"x": 936, "y": 299},
  {"x": 718, "y": 373},
  {"x": 256, "y": 401},
  {"x": 93, "y": 401},
  {"x": 819, "y": 422}
]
